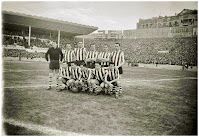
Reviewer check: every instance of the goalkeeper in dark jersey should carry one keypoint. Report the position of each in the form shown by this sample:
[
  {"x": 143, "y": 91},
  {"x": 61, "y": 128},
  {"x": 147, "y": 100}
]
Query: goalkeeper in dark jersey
[{"x": 53, "y": 56}]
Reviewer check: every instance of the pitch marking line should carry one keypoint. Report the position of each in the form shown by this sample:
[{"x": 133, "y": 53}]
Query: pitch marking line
[
  {"x": 41, "y": 129},
  {"x": 123, "y": 80},
  {"x": 23, "y": 70},
  {"x": 30, "y": 86},
  {"x": 16, "y": 61},
  {"x": 154, "y": 74},
  {"x": 10, "y": 70},
  {"x": 158, "y": 79}
]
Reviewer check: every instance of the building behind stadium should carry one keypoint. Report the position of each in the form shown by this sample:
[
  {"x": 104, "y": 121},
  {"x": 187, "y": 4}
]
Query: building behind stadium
[{"x": 183, "y": 24}]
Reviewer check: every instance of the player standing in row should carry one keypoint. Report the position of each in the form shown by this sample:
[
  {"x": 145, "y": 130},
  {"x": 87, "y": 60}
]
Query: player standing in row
[
  {"x": 118, "y": 58},
  {"x": 105, "y": 55},
  {"x": 80, "y": 53},
  {"x": 54, "y": 54},
  {"x": 69, "y": 54},
  {"x": 91, "y": 57},
  {"x": 93, "y": 54}
]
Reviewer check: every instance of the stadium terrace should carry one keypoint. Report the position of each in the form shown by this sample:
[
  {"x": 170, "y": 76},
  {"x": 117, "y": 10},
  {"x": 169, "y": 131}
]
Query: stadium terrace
[{"x": 28, "y": 23}]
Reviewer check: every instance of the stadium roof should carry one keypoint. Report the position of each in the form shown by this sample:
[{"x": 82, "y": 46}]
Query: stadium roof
[{"x": 69, "y": 28}]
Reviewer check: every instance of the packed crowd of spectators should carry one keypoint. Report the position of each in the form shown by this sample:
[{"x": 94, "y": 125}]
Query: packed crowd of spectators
[
  {"x": 149, "y": 50},
  {"x": 23, "y": 41},
  {"x": 38, "y": 40},
  {"x": 22, "y": 53},
  {"x": 15, "y": 40},
  {"x": 173, "y": 51}
]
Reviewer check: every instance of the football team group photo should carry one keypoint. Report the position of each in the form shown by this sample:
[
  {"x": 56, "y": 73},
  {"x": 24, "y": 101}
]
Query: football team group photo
[{"x": 99, "y": 68}]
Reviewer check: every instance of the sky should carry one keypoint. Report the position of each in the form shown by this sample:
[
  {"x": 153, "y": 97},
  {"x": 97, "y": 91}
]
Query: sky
[{"x": 106, "y": 15}]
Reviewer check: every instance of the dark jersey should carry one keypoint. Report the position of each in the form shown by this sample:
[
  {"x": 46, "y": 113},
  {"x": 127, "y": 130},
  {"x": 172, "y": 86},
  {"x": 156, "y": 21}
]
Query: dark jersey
[{"x": 54, "y": 54}]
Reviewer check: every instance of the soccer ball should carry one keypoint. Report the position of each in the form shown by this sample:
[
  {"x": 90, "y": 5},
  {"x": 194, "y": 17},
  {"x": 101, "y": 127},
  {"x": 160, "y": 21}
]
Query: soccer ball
[
  {"x": 74, "y": 89},
  {"x": 98, "y": 89}
]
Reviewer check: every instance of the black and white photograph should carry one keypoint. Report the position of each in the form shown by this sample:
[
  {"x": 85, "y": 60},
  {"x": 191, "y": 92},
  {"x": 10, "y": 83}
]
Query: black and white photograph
[{"x": 99, "y": 68}]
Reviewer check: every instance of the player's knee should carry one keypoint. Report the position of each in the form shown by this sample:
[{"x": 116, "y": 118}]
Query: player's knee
[
  {"x": 111, "y": 86},
  {"x": 102, "y": 85},
  {"x": 92, "y": 82},
  {"x": 70, "y": 81},
  {"x": 118, "y": 83},
  {"x": 63, "y": 80}
]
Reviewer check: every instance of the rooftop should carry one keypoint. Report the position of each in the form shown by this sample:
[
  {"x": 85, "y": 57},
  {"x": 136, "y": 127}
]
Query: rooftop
[{"x": 22, "y": 19}]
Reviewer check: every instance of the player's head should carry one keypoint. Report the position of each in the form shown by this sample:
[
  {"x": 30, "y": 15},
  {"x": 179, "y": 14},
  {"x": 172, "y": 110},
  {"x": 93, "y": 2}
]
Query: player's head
[
  {"x": 97, "y": 65},
  {"x": 50, "y": 43},
  {"x": 68, "y": 46},
  {"x": 92, "y": 47},
  {"x": 80, "y": 44},
  {"x": 117, "y": 46},
  {"x": 54, "y": 44},
  {"x": 106, "y": 48}
]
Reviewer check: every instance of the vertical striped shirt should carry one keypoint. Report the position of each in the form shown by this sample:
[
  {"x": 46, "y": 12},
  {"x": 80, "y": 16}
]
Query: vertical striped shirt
[
  {"x": 75, "y": 73},
  {"x": 69, "y": 56},
  {"x": 65, "y": 71},
  {"x": 80, "y": 53},
  {"x": 86, "y": 73},
  {"x": 105, "y": 55},
  {"x": 117, "y": 58},
  {"x": 112, "y": 74},
  {"x": 92, "y": 55},
  {"x": 99, "y": 74}
]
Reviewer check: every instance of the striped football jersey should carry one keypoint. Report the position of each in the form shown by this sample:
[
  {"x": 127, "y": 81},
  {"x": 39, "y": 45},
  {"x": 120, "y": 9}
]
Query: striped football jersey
[
  {"x": 105, "y": 55},
  {"x": 75, "y": 73},
  {"x": 65, "y": 71},
  {"x": 99, "y": 74},
  {"x": 117, "y": 57},
  {"x": 86, "y": 73},
  {"x": 69, "y": 56},
  {"x": 92, "y": 55},
  {"x": 112, "y": 74},
  {"x": 80, "y": 53}
]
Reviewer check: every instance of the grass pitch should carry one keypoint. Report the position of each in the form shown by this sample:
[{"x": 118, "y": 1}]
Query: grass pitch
[{"x": 154, "y": 102}]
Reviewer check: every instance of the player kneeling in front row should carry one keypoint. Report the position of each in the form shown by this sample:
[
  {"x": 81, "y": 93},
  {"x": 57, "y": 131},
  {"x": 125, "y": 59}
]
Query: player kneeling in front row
[
  {"x": 112, "y": 83},
  {"x": 65, "y": 76},
  {"x": 74, "y": 82},
  {"x": 96, "y": 83},
  {"x": 85, "y": 77}
]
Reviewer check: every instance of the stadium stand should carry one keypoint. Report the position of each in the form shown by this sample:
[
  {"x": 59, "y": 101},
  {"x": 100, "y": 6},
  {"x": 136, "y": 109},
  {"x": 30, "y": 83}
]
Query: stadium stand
[
  {"x": 29, "y": 36},
  {"x": 149, "y": 50},
  {"x": 174, "y": 51}
]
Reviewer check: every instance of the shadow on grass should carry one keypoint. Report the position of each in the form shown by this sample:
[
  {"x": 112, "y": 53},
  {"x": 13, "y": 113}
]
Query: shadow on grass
[{"x": 16, "y": 130}]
